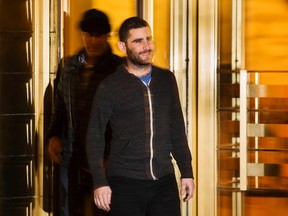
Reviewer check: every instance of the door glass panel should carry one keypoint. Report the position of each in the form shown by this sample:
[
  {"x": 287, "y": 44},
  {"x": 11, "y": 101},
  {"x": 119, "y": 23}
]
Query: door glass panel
[
  {"x": 228, "y": 141},
  {"x": 225, "y": 34},
  {"x": 252, "y": 114},
  {"x": 267, "y": 126},
  {"x": 265, "y": 159}
]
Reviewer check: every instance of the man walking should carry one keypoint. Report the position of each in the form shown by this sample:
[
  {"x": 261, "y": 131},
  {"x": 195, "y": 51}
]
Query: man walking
[{"x": 142, "y": 104}]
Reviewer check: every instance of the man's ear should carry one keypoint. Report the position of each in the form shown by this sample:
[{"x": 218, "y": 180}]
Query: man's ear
[{"x": 122, "y": 46}]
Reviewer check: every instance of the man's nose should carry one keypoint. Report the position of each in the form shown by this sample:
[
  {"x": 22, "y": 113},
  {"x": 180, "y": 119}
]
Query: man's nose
[{"x": 146, "y": 44}]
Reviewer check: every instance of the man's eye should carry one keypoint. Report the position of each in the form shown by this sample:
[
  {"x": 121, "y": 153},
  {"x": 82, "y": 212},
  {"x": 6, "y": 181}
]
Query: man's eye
[{"x": 137, "y": 41}]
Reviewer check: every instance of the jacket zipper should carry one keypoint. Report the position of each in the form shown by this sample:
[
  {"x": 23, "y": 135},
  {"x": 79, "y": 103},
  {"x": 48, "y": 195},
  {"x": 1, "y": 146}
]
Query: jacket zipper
[{"x": 151, "y": 131}]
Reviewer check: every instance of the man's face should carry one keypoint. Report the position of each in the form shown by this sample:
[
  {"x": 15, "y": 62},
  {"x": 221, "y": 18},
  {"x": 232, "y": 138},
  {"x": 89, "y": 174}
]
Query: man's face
[
  {"x": 140, "y": 46},
  {"x": 95, "y": 44}
]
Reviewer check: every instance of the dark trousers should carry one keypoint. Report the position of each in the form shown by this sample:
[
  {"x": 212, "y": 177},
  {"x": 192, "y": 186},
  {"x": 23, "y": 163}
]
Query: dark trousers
[
  {"x": 80, "y": 193},
  {"x": 131, "y": 197}
]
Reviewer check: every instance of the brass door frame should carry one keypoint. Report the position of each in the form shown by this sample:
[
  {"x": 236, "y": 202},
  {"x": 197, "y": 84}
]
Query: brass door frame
[{"x": 206, "y": 144}]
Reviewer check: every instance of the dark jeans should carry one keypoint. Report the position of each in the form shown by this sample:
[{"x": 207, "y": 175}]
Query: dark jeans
[{"x": 131, "y": 197}]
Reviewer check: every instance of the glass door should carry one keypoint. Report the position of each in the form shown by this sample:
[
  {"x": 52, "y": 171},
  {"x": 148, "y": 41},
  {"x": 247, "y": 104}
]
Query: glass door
[
  {"x": 252, "y": 108},
  {"x": 252, "y": 143}
]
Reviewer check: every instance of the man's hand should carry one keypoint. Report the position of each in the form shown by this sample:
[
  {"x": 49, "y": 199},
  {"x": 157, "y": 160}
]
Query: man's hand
[
  {"x": 102, "y": 197},
  {"x": 54, "y": 149},
  {"x": 187, "y": 188}
]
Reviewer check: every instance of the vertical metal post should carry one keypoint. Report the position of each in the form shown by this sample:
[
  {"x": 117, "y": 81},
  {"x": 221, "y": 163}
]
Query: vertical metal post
[{"x": 243, "y": 130}]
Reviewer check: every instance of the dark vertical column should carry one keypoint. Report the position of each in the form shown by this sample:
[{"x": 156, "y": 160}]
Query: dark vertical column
[
  {"x": 139, "y": 5},
  {"x": 17, "y": 115}
]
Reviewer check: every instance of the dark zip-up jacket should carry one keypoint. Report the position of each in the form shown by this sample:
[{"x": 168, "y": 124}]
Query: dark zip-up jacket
[
  {"x": 147, "y": 127},
  {"x": 66, "y": 100}
]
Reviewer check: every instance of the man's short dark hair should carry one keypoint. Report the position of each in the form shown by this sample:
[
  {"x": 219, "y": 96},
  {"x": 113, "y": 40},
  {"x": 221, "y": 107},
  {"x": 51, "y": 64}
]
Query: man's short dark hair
[{"x": 131, "y": 23}]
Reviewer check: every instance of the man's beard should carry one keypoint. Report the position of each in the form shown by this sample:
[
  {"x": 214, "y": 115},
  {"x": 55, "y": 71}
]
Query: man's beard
[{"x": 135, "y": 60}]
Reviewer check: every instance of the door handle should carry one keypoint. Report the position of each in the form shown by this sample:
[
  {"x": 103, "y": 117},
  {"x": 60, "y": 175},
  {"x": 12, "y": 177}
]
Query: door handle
[{"x": 243, "y": 130}]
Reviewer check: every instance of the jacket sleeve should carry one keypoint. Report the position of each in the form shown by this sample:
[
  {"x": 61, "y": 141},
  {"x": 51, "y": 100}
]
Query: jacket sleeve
[
  {"x": 59, "y": 110},
  {"x": 95, "y": 139},
  {"x": 180, "y": 148}
]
